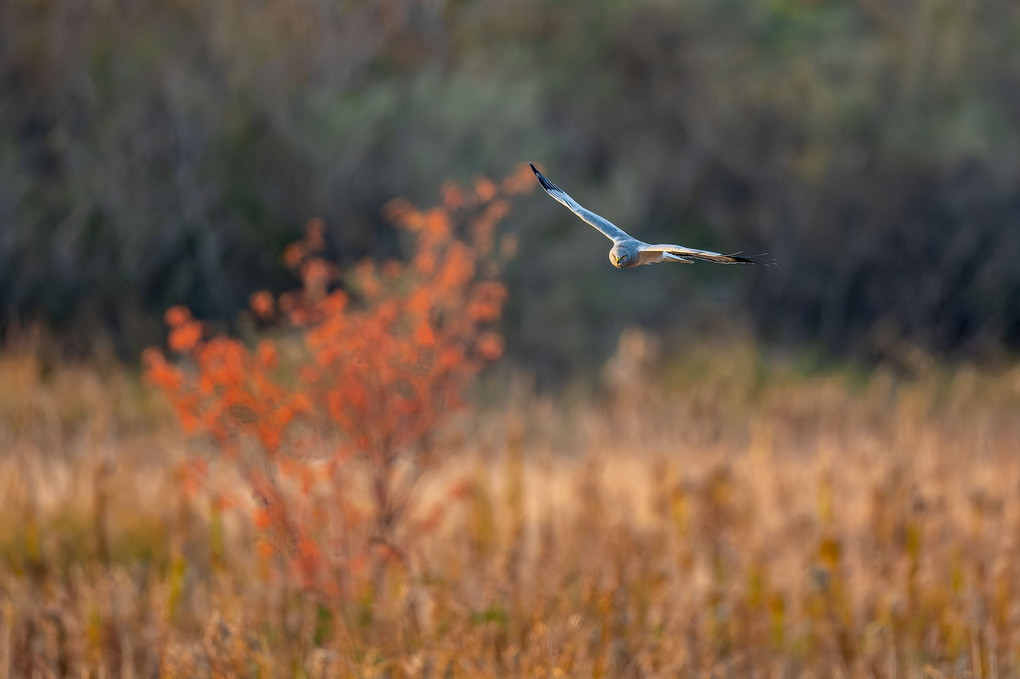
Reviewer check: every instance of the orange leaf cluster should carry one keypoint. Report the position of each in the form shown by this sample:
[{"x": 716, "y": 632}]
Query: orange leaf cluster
[
  {"x": 389, "y": 351},
  {"x": 185, "y": 331}
]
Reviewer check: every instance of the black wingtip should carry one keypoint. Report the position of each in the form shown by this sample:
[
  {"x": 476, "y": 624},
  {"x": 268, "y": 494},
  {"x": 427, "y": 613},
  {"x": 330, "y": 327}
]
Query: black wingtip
[
  {"x": 546, "y": 184},
  {"x": 753, "y": 259},
  {"x": 759, "y": 259}
]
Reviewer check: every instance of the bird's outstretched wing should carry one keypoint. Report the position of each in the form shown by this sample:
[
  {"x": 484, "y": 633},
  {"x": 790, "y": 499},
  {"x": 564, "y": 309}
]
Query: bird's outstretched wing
[
  {"x": 611, "y": 231},
  {"x": 651, "y": 254}
]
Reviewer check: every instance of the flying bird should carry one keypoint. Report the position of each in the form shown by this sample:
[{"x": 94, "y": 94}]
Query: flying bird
[{"x": 628, "y": 251}]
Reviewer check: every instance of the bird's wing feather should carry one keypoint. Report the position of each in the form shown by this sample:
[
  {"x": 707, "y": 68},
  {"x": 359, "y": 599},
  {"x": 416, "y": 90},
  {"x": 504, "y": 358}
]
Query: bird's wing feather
[
  {"x": 610, "y": 230},
  {"x": 666, "y": 252},
  {"x": 656, "y": 256}
]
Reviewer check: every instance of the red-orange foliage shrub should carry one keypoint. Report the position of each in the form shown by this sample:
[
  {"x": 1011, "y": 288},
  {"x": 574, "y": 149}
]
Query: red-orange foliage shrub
[{"x": 387, "y": 357}]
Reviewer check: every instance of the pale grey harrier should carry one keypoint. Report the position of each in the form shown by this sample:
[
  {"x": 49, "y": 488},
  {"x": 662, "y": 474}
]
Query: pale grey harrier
[{"x": 628, "y": 251}]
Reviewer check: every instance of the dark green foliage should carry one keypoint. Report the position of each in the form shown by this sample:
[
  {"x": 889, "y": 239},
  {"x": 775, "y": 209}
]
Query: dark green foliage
[{"x": 158, "y": 152}]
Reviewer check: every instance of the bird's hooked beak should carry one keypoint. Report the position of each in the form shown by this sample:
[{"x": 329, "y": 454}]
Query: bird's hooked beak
[{"x": 616, "y": 259}]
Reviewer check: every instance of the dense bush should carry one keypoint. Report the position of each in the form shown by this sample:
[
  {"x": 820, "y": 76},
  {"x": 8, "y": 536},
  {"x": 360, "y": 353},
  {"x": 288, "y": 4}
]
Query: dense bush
[
  {"x": 154, "y": 153},
  {"x": 353, "y": 411}
]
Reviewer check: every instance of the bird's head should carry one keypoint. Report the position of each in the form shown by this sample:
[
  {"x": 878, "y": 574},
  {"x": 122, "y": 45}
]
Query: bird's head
[{"x": 622, "y": 257}]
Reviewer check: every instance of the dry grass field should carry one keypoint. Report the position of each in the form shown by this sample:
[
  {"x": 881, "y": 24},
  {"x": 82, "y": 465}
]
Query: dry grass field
[
  {"x": 736, "y": 519},
  {"x": 412, "y": 443}
]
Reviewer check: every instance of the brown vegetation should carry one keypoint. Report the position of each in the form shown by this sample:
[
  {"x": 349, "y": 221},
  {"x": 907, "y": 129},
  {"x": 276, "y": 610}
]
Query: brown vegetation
[
  {"x": 735, "y": 519},
  {"x": 311, "y": 507}
]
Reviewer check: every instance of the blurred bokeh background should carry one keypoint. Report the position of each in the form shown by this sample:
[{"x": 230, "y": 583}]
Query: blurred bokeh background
[
  {"x": 155, "y": 152},
  {"x": 806, "y": 470}
]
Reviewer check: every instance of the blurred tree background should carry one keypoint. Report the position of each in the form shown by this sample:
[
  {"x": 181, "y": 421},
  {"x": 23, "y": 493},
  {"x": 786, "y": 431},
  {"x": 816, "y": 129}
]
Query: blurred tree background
[{"x": 155, "y": 152}]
